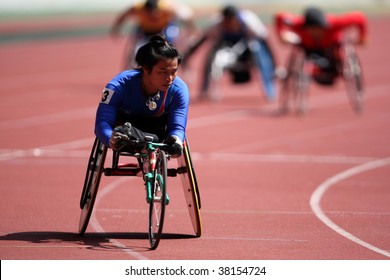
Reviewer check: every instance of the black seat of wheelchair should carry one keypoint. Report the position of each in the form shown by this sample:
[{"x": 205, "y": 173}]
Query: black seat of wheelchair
[{"x": 240, "y": 76}]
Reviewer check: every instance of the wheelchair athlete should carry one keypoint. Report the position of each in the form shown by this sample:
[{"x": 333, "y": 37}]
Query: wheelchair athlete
[
  {"x": 320, "y": 36},
  {"x": 233, "y": 26},
  {"x": 151, "y": 100},
  {"x": 153, "y": 17}
]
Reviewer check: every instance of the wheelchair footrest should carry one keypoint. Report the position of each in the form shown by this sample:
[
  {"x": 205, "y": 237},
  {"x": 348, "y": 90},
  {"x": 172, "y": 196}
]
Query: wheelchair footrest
[
  {"x": 172, "y": 172},
  {"x": 182, "y": 170}
]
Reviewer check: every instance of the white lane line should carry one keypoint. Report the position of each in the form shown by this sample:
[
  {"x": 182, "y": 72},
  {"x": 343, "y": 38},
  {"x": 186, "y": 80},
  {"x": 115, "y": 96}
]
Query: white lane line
[
  {"x": 12, "y": 83},
  {"x": 45, "y": 246},
  {"x": 7, "y": 154},
  {"x": 88, "y": 112},
  {"x": 317, "y": 195},
  {"x": 65, "y": 150},
  {"x": 282, "y": 158},
  {"x": 218, "y": 118},
  {"x": 98, "y": 228},
  {"x": 247, "y": 212},
  {"x": 83, "y": 113},
  {"x": 340, "y": 97},
  {"x": 254, "y": 239}
]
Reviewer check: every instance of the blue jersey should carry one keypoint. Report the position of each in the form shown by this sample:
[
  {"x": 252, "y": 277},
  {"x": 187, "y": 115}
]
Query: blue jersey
[{"x": 122, "y": 98}]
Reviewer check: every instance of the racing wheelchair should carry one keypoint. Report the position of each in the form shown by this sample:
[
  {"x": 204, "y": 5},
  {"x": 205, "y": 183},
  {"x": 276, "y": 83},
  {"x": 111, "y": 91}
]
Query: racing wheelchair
[
  {"x": 304, "y": 67},
  {"x": 152, "y": 166},
  {"x": 235, "y": 59}
]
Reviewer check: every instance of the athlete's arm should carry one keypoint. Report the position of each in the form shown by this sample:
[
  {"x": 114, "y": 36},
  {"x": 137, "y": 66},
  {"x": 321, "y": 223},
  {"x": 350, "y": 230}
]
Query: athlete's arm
[
  {"x": 178, "y": 111},
  {"x": 106, "y": 114},
  {"x": 119, "y": 21},
  {"x": 356, "y": 19},
  {"x": 287, "y": 22}
]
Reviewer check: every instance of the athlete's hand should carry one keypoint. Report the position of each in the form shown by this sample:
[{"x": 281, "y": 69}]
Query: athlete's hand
[
  {"x": 120, "y": 136},
  {"x": 175, "y": 146}
]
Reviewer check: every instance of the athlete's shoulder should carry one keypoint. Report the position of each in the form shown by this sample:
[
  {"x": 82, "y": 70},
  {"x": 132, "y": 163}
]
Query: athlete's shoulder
[
  {"x": 352, "y": 17},
  {"x": 247, "y": 13},
  {"x": 179, "y": 83},
  {"x": 179, "y": 90},
  {"x": 125, "y": 77}
]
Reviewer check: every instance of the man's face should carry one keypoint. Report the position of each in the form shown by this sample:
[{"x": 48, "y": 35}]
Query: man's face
[
  {"x": 231, "y": 23},
  {"x": 161, "y": 76}
]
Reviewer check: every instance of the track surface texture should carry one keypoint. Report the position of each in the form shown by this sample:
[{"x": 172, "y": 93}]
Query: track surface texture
[{"x": 273, "y": 186}]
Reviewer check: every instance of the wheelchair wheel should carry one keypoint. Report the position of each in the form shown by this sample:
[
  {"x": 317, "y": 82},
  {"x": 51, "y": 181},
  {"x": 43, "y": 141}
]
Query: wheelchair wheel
[
  {"x": 91, "y": 183},
  {"x": 352, "y": 73},
  {"x": 286, "y": 91},
  {"x": 301, "y": 80},
  {"x": 296, "y": 84},
  {"x": 159, "y": 200},
  {"x": 216, "y": 72},
  {"x": 190, "y": 188}
]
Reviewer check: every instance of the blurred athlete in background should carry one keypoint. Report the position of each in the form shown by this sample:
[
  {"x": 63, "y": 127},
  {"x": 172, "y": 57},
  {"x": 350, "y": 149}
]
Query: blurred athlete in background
[
  {"x": 152, "y": 17},
  {"x": 321, "y": 35},
  {"x": 231, "y": 26}
]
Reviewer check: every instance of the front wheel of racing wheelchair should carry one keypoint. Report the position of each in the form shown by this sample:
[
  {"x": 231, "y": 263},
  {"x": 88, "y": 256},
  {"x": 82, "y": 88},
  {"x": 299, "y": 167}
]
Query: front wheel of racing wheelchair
[
  {"x": 353, "y": 77},
  {"x": 295, "y": 86},
  {"x": 156, "y": 186},
  {"x": 93, "y": 175}
]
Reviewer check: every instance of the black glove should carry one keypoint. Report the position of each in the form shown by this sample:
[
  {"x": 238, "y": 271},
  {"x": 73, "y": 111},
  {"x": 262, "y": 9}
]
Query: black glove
[
  {"x": 175, "y": 148},
  {"x": 120, "y": 136}
]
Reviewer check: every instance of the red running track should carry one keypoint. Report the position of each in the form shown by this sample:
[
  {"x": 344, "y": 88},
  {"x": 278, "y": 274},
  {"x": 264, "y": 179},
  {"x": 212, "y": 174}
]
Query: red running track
[{"x": 273, "y": 187}]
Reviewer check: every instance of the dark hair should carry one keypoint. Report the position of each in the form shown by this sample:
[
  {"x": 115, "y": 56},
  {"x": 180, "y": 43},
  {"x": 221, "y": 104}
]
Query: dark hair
[
  {"x": 156, "y": 49},
  {"x": 229, "y": 11},
  {"x": 315, "y": 17},
  {"x": 151, "y": 4}
]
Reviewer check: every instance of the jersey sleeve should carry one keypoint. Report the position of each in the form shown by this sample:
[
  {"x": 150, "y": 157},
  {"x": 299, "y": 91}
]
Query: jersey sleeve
[
  {"x": 356, "y": 19},
  {"x": 286, "y": 22},
  {"x": 254, "y": 24},
  {"x": 106, "y": 113},
  {"x": 178, "y": 112}
]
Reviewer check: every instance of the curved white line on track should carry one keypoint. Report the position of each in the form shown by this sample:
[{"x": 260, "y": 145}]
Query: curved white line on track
[
  {"x": 98, "y": 228},
  {"x": 317, "y": 195}
]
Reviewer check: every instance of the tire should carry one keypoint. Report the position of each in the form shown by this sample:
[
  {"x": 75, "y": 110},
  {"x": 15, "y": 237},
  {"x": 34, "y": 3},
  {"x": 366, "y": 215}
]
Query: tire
[
  {"x": 215, "y": 75},
  {"x": 301, "y": 85},
  {"x": 159, "y": 200},
  {"x": 294, "y": 89},
  {"x": 352, "y": 73},
  {"x": 94, "y": 172}
]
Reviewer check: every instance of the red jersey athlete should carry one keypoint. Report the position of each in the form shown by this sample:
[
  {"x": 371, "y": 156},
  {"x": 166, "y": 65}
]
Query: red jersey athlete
[{"x": 321, "y": 34}]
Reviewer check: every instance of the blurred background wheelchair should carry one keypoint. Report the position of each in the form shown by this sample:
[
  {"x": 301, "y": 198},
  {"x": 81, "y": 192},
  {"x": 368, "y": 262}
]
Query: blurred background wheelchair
[
  {"x": 323, "y": 68},
  {"x": 234, "y": 59}
]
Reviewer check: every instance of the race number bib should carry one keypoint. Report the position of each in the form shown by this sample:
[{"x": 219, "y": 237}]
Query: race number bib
[{"x": 107, "y": 94}]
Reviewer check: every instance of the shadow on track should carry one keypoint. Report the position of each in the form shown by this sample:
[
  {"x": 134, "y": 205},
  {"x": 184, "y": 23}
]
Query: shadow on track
[{"x": 92, "y": 241}]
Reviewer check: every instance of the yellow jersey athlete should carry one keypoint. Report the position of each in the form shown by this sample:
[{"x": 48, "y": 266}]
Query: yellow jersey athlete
[{"x": 153, "y": 17}]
